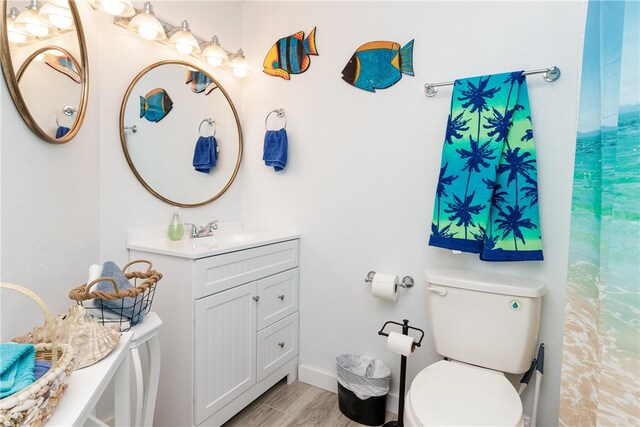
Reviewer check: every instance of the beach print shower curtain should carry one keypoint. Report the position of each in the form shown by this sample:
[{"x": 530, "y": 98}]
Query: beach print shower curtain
[{"x": 600, "y": 384}]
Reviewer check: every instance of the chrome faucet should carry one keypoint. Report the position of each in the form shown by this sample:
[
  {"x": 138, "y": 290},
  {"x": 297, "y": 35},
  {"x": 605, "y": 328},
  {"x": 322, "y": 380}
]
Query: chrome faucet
[{"x": 204, "y": 231}]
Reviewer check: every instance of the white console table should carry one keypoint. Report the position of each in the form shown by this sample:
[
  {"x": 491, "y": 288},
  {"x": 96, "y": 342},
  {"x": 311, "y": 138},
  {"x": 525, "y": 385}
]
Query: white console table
[{"x": 86, "y": 386}]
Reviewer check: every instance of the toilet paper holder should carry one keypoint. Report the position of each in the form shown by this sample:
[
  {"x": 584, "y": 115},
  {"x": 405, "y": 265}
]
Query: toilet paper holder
[
  {"x": 407, "y": 281},
  {"x": 405, "y": 330},
  {"x": 403, "y": 368}
]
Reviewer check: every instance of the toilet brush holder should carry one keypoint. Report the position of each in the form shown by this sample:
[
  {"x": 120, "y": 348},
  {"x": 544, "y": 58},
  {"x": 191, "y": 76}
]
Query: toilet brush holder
[{"x": 403, "y": 368}]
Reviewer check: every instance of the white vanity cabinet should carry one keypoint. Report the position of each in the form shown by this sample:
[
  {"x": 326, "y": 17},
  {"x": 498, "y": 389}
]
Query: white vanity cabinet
[{"x": 230, "y": 329}]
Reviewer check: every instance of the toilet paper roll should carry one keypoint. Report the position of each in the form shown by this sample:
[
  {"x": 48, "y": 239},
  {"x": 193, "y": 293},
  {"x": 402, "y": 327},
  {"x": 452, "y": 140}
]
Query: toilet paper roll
[
  {"x": 385, "y": 286},
  {"x": 402, "y": 344}
]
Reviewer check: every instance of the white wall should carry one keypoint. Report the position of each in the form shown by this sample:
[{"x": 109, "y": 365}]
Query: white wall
[{"x": 363, "y": 167}]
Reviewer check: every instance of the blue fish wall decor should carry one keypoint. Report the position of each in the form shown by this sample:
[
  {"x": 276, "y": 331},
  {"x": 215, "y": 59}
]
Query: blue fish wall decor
[
  {"x": 290, "y": 55},
  {"x": 378, "y": 65},
  {"x": 155, "y": 105},
  {"x": 200, "y": 82}
]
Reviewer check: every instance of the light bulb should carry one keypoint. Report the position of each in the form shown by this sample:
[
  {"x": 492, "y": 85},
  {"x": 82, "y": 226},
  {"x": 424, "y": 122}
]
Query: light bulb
[
  {"x": 16, "y": 37},
  {"x": 56, "y": 16},
  {"x": 112, "y": 7},
  {"x": 183, "y": 41},
  {"x": 36, "y": 29},
  {"x": 214, "y": 60},
  {"x": 147, "y": 33},
  {"x": 146, "y": 24},
  {"x": 214, "y": 54},
  {"x": 184, "y": 48},
  {"x": 240, "y": 72},
  {"x": 122, "y": 8},
  {"x": 14, "y": 34},
  {"x": 61, "y": 21},
  {"x": 239, "y": 65},
  {"x": 31, "y": 22}
]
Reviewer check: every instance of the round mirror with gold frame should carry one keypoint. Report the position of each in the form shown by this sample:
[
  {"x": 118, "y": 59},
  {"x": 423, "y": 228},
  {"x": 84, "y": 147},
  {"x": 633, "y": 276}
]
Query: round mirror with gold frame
[
  {"x": 44, "y": 62},
  {"x": 180, "y": 133}
]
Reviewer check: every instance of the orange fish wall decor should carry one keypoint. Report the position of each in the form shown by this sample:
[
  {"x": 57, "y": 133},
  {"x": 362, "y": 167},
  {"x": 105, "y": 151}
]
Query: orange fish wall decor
[{"x": 290, "y": 55}]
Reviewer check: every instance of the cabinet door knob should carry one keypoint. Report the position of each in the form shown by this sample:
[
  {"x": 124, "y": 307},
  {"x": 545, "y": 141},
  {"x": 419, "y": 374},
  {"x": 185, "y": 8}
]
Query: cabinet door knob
[
  {"x": 256, "y": 298},
  {"x": 281, "y": 344},
  {"x": 281, "y": 297}
]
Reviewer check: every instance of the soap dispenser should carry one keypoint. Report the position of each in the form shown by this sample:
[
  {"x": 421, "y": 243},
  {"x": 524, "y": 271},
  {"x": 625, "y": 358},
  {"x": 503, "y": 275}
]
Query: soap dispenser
[{"x": 175, "y": 230}]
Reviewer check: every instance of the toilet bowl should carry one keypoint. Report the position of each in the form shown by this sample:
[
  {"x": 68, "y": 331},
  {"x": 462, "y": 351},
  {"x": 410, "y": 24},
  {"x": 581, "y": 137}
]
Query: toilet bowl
[
  {"x": 456, "y": 394},
  {"x": 484, "y": 325}
]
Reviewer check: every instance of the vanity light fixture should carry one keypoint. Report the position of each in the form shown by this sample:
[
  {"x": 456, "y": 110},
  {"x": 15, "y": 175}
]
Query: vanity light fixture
[
  {"x": 16, "y": 35},
  {"x": 57, "y": 16},
  {"x": 147, "y": 25},
  {"x": 214, "y": 54},
  {"x": 122, "y": 8},
  {"x": 239, "y": 65},
  {"x": 183, "y": 41},
  {"x": 31, "y": 22}
]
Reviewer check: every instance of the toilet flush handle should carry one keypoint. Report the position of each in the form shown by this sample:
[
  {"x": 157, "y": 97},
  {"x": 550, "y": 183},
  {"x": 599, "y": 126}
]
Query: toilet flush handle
[{"x": 438, "y": 290}]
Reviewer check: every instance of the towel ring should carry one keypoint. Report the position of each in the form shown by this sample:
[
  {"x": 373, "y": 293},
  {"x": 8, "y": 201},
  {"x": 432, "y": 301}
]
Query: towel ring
[
  {"x": 211, "y": 122},
  {"x": 279, "y": 113},
  {"x": 67, "y": 111}
]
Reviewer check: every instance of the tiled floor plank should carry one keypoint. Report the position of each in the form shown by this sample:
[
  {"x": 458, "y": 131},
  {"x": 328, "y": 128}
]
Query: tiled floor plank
[
  {"x": 264, "y": 416},
  {"x": 295, "y": 405},
  {"x": 292, "y": 398}
]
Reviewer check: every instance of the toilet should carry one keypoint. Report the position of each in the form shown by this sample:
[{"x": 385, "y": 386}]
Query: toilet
[{"x": 484, "y": 325}]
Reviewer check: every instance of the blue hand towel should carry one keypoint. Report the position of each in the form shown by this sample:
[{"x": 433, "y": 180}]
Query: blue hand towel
[
  {"x": 62, "y": 131},
  {"x": 205, "y": 154},
  {"x": 16, "y": 367},
  {"x": 127, "y": 306},
  {"x": 41, "y": 368},
  {"x": 275, "y": 149}
]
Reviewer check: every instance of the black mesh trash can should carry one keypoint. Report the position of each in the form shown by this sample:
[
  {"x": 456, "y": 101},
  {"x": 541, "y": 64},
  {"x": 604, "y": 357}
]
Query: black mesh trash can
[{"x": 363, "y": 385}]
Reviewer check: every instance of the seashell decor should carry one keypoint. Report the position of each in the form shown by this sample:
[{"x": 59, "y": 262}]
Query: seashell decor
[{"x": 91, "y": 341}]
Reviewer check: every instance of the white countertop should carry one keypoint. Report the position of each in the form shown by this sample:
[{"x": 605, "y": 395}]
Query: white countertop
[
  {"x": 223, "y": 241},
  {"x": 86, "y": 386}
]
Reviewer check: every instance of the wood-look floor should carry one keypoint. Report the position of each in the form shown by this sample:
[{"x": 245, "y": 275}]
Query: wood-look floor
[{"x": 295, "y": 405}]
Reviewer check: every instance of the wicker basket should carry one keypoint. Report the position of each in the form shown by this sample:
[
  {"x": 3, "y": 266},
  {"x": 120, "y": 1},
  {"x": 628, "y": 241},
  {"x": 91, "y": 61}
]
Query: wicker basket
[
  {"x": 142, "y": 293},
  {"x": 34, "y": 405}
]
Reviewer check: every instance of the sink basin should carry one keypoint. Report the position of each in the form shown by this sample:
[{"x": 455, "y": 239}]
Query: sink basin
[{"x": 220, "y": 242}]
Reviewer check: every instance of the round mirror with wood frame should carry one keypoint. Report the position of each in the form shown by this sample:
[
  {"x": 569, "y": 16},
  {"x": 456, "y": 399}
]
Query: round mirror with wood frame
[
  {"x": 170, "y": 111},
  {"x": 41, "y": 107}
]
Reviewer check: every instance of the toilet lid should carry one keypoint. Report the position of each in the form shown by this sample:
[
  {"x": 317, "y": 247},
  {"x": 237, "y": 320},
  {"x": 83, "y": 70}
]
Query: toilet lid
[{"x": 451, "y": 393}]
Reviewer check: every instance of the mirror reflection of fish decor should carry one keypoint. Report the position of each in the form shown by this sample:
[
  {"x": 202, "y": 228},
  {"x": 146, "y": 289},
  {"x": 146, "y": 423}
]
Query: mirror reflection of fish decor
[
  {"x": 378, "y": 65},
  {"x": 290, "y": 55},
  {"x": 155, "y": 105},
  {"x": 64, "y": 65},
  {"x": 200, "y": 82}
]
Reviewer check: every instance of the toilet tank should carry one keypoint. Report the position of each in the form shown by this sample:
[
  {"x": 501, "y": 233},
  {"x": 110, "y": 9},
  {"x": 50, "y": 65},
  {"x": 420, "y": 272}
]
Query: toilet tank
[{"x": 484, "y": 319}]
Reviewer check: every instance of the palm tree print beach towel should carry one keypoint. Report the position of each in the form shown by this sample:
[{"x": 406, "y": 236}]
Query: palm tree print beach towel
[{"x": 487, "y": 194}]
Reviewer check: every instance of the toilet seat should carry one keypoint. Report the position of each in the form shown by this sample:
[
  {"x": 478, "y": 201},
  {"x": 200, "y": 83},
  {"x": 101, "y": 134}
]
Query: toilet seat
[{"x": 456, "y": 394}]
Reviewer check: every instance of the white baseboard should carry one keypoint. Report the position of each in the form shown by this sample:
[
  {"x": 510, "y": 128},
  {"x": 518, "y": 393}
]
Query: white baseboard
[{"x": 329, "y": 382}]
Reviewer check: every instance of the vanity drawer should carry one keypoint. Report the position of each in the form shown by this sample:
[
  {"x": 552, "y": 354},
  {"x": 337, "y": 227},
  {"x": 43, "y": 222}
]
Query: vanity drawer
[
  {"x": 278, "y": 297},
  {"x": 226, "y": 271},
  {"x": 276, "y": 345}
]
